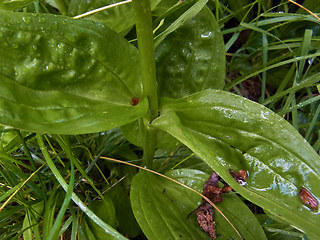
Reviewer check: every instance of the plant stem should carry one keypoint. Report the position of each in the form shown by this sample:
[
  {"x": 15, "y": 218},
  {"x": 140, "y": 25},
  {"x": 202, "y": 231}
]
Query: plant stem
[{"x": 148, "y": 71}]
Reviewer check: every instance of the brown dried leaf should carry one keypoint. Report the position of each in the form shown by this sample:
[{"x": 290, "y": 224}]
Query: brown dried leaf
[
  {"x": 226, "y": 188},
  {"x": 213, "y": 193},
  {"x": 205, "y": 218},
  {"x": 240, "y": 177},
  {"x": 308, "y": 199}
]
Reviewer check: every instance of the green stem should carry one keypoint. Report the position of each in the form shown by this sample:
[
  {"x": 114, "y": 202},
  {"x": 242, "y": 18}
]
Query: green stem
[{"x": 148, "y": 71}]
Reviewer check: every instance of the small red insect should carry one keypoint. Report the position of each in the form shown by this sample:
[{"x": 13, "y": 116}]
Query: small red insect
[
  {"x": 308, "y": 199},
  {"x": 135, "y": 101}
]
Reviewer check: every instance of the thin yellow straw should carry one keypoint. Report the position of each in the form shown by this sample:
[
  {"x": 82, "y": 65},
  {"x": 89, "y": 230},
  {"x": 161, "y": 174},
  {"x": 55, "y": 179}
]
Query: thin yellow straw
[
  {"x": 15, "y": 192},
  {"x": 101, "y": 9}
]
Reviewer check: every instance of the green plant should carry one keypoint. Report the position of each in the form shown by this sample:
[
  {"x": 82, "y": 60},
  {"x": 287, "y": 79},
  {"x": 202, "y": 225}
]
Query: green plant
[{"x": 74, "y": 82}]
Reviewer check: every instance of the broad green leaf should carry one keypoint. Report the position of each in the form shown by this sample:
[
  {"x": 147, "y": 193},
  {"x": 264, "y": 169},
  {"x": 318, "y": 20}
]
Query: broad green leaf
[
  {"x": 106, "y": 212},
  {"x": 10, "y": 139},
  {"x": 240, "y": 216},
  {"x": 230, "y": 132},
  {"x": 60, "y": 75},
  {"x": 233, "y": 208},
  {"x": 192, "y": 58},
  {"x": 125, "y": 218},
  {"x": 119, "y": 18},
  {"x": 162, "y": 208},
  {"x": 133, "y": 134},
  {"x": 15, "y": 4},
  {"x": 278, "y": 231},
  {"x": 176, "y": 17}
]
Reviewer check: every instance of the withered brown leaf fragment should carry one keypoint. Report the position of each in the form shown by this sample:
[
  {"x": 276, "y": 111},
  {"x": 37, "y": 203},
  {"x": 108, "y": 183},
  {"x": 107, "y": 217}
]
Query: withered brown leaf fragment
[
  {"x": 211, "y": 189},
  {"x": 205, "y": 213},
  {"x": 205, "y": 218},
  {"x": 308, "y": 199},
  {"x": 240, "y": 177},
  {"x": 212, "y": 181},
  {"x": 213, "y": 193},
  {"x": 226, "y": 189}
]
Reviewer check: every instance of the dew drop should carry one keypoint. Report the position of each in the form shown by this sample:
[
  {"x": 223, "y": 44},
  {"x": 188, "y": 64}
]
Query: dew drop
[
  {"x": 26, "y": 19},
  {"x": 14, "y": 45},
  {"x": 206, "y": 35}
]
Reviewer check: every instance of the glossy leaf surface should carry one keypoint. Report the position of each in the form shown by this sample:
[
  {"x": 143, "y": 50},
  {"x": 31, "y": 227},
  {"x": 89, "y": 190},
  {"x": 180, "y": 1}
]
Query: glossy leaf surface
[
  {"x": 192, "y": 58},
  {"x": 176, "y": 17},
  {"x": 60, "y": 75},
  {"x": 189, "y": 60},
  {"x": 13, "y": 5},
  {"x": 162, "y": 207},
  {"x": 231, "y": 132},
  {"x": 132, "y": 133},
  {"x": 119, "y": 18},
  {"x": 125, "y": 218},
  {"x": 104, "y": 210}
]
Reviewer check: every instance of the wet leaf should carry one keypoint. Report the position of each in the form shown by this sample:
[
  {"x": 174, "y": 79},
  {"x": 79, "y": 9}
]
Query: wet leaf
[
  {"x": 60, "y": 75},
  {"x": 125, "y": 218},
  {"x": 13, "y": 5},
  {"x": 230, "y": 132},
  {"x": 106, "y": 212},
  {"x": 175, "y": 17},
  {"x": 162, "y": 204},
  {"x": 192, "y": 58},
  {"x": 119, "y": 18},
  {"x": 161, "y": 207}
]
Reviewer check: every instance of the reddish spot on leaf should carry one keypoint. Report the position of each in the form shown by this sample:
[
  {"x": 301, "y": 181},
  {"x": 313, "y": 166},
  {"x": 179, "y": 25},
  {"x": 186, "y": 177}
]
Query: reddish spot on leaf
[
  {"x": 135, "y": 101},
  {"x": 240, "y": 177},
  {"x": 205, "y": 218},
  {"x": 308, "y": 199}
]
